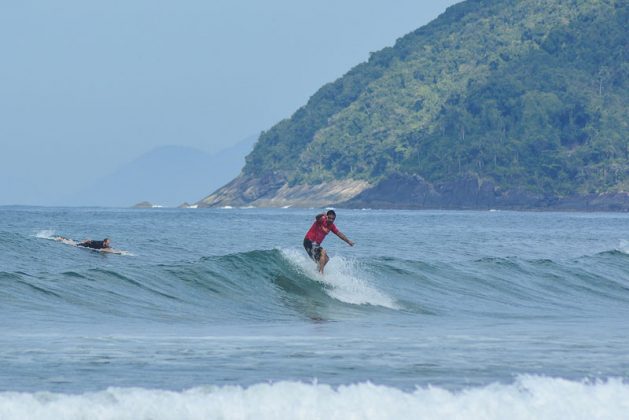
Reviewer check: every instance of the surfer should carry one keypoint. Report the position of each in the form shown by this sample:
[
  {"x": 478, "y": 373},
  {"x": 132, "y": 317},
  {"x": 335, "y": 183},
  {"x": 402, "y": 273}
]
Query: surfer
[
  {"x": 324, "y": 223},
  {"x": 101, "y": 245}
]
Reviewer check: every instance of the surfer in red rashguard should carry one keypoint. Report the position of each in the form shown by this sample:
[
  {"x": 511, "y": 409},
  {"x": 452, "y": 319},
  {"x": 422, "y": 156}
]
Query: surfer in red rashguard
[{"x": 324, "y": 223}]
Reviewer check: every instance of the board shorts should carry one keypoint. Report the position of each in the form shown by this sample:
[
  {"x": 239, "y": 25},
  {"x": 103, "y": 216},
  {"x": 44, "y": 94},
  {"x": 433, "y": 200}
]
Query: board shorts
[{"x": 313, "y": 249}]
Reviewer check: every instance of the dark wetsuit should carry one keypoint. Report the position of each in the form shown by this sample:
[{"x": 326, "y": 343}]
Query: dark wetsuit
[{"x": 93, "y": 244}]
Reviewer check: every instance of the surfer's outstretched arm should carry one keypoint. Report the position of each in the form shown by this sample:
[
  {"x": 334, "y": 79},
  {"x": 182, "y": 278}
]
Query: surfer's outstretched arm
[{"x": 345, "y": 238}]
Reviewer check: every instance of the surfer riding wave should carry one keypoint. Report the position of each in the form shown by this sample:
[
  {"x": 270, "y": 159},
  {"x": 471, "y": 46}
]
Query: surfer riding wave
[{"x": 323, "y": 224}]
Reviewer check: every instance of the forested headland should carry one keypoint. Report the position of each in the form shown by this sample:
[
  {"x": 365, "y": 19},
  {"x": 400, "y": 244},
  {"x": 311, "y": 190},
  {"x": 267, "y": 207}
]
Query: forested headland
[{"x": 514, "y": 98}]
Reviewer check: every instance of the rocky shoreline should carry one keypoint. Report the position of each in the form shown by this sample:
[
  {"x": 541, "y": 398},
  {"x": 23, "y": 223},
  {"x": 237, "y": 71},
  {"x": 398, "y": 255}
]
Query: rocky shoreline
[
  {"x": 272, "y": 190},
  {"x": 402, "y": 191}
]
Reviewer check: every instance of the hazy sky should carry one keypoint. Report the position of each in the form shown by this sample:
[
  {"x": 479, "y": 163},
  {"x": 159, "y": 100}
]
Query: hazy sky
[{"x": 86, "y": 86}]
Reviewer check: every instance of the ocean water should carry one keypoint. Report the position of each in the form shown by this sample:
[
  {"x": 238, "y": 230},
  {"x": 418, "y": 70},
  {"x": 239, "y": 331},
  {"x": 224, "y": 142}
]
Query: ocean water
[{"x": 218, "y": 313}]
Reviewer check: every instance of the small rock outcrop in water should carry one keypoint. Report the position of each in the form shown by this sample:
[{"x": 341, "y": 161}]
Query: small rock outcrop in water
[{"x": 143, "y": 205}]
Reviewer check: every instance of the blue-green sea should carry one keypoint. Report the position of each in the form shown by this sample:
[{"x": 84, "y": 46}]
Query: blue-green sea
[{"x": 219, "y": 313}]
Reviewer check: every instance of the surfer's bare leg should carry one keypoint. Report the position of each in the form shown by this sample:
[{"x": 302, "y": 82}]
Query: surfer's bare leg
[{"x": 323, "y": 260}]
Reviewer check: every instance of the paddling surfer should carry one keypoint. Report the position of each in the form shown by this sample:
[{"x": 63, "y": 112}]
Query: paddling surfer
[
  {"x": 100, "y": 245},
  {"x": 324, "y": 224}
]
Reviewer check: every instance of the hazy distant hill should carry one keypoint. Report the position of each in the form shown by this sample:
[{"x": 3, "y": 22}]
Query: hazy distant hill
[
  {"x": 166, "y": 176},
  {"x": 512, "y": 103}
]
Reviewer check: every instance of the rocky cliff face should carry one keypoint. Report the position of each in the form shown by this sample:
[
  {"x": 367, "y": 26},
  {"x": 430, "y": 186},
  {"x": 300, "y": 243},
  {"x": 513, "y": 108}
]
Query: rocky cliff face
[
  {"x": 413, "y": 192},
  {"x": 272, "y": 190}
]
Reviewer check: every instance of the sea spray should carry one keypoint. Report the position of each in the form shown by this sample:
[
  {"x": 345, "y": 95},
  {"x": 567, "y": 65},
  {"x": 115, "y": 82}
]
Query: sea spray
[
  {"x": 45, "y": 234},
  {"x": 344, "y": 280}
]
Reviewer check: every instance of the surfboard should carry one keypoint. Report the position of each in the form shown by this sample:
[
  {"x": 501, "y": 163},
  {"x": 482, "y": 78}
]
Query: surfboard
[{"x": 108, "y": 251}]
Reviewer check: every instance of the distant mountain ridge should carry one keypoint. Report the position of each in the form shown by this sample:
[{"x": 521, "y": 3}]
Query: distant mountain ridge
[
  {"x": 165, "y": 176},
  {"x": 515, "y": 104}
]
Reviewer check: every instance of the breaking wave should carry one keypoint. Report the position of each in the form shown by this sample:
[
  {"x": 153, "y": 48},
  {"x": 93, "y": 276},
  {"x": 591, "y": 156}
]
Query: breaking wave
[{"x": 528, "y": 397}]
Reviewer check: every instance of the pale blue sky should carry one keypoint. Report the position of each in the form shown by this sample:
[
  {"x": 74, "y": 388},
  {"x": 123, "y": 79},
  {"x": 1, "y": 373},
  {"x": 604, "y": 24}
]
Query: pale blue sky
[{"x": 86, "y": 86}]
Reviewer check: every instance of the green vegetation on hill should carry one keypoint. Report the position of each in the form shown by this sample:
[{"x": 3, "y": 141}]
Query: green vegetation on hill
[{"x": 531, "y": 94}]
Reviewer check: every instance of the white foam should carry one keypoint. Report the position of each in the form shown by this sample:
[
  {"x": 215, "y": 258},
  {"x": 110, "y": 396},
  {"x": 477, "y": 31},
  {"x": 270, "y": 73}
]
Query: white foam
[
  {"x": 624, "y": 246},
  {"x": 343, "y": 280},
  {"x": 50, "y": 234},
  {"x": 45, "y": 234},
  {"x": 530, "y": 397},
  {"x": 116, "y": 251}
]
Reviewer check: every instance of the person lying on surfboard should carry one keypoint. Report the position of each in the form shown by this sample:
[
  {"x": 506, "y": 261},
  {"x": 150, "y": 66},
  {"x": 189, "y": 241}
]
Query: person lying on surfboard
[
  {"x": 100, "y": 245},
  {"x": 324, "y": 223}
]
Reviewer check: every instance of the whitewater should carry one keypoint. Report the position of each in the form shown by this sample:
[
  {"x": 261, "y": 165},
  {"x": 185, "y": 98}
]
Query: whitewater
[{"x": 219, "y": 313}]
